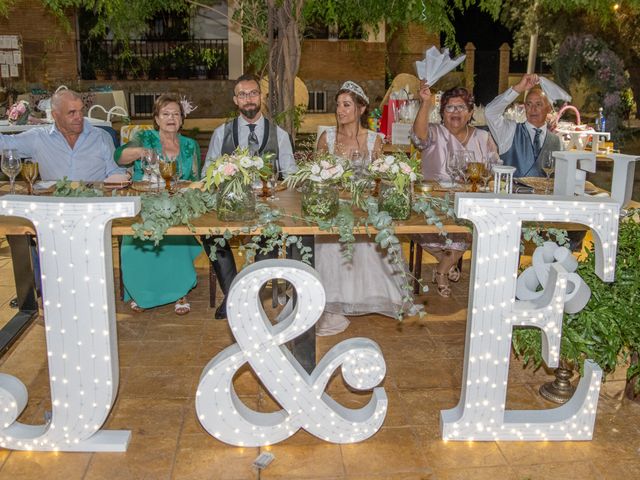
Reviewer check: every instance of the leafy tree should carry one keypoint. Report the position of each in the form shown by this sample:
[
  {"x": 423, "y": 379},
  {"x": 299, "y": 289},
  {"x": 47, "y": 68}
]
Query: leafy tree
[
  {"x": 278, "y": 25},
  {"x": 619, "y": 27}
]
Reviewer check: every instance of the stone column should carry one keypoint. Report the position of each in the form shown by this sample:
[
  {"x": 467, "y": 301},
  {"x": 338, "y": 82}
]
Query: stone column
[
  {"x": 469, "y": 66},
  {"x": 503, "y": 71},
  {"x": 235, "y": 45}
]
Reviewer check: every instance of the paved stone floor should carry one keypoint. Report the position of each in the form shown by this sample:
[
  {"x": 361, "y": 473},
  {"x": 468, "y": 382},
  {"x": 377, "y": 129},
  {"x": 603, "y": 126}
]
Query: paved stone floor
[{"x": 162, "y": 356}]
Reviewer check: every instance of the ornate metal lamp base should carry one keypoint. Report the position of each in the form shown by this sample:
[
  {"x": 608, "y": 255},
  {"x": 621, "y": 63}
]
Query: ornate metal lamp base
[{"x": 560, "y": 390}]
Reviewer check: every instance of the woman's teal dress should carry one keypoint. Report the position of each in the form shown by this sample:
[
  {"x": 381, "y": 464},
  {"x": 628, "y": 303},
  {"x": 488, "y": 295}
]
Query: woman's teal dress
[{"x": 156, "y": 275}]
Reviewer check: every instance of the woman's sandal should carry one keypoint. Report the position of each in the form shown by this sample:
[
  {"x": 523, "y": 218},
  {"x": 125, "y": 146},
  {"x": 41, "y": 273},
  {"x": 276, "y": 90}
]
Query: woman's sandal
[
  {"x": 135, "y": 307},
  {"x": 441, "y": 279},
  {"x": 454, "y": 274},
  {"x": 182, "y": 307}
]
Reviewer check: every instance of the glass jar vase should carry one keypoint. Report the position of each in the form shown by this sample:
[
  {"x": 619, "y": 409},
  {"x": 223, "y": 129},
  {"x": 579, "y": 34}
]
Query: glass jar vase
[
  {"x": 235, "y": 203},
  {"x": 396, "y": 202},
  {"x": 320, "y": 200}
]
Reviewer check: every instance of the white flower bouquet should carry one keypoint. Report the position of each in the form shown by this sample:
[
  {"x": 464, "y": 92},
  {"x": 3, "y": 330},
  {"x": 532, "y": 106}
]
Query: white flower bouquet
[
  {"x": 237, "y": 169},
  {"x": 323, "y": 168}
]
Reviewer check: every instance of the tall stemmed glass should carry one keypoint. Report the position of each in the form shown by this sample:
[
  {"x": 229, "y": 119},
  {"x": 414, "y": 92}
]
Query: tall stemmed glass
[
  {"x": 487, "y": 172},
  {"x": 30, "y": 172},
  {"x": 11, "y": 166},
  {"x": 450, "y": 168},
  {"x": 273, "y": 180},
  {"x": 463, "y": 158},
  {"x": 149, "y": 162},
  {"x": 548, "y": 167},
  {"x": 167, "y": 167}
]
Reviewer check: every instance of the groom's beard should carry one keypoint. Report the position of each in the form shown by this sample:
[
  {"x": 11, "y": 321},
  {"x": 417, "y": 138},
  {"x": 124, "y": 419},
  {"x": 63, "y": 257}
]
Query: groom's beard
[{"x": 250, "y": 110}]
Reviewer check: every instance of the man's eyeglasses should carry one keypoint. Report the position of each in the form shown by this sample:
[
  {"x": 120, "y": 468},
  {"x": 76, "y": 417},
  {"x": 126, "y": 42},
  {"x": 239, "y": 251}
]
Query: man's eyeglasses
[
  {"x": 456, "y": 108},
  {"x": 245, "y": 95}
]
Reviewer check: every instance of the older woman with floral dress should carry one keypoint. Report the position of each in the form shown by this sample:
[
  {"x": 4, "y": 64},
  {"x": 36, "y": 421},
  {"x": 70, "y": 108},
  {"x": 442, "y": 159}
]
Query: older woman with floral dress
[
  {"x": 437, "y": 142},
  {"x": 155, "y": 275}
]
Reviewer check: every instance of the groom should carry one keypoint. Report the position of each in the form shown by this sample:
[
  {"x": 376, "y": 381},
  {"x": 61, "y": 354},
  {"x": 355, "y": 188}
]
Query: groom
[{"x": 249, "y": 129}]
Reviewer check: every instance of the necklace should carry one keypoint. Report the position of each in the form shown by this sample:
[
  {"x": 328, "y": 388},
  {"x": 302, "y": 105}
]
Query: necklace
[{"x": 464, "y": 142}]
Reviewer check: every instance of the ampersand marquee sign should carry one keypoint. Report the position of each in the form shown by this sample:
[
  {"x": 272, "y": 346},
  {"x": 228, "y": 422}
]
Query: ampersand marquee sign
[
  {"x": 74, "y": 238},
  {"x": 494, "y": 311},
  {"x": 305, "y": 403}
]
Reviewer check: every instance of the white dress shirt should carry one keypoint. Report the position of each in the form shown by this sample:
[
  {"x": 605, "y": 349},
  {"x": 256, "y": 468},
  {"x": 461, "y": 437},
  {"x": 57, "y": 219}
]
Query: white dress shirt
[
  {"x": 285, "y": 152},
  {"x": 502, "y": 129},
  {"x": 90, "y": 159}
]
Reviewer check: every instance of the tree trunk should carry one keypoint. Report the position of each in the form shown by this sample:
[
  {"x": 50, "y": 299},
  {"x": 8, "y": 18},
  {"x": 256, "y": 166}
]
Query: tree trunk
[{"x": 284, "y": 59}]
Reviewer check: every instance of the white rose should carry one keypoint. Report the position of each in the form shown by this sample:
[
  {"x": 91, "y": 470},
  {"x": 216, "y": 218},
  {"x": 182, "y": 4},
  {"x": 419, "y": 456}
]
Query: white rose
[
  {"x": 258, "y": 162},
  {"x": 325, "y": 174},
  {"x": 339, "y": 171},
  {"x": 315, "y": 169},
  {"x": 395, "y": 169},
  {"x": 389, "y": 159},
  {"x": 246, "y": 162},
  {"x": 413, "y": 177}
]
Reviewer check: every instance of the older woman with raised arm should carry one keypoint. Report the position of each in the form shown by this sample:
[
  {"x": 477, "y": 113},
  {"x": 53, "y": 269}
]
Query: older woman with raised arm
[
  {"x": 157, "y": 275},
  {"x": 437, "y": 142}
]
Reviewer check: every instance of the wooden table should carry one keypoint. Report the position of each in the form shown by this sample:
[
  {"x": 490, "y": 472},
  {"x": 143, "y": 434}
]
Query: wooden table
[{"x": 19, "y": 232}]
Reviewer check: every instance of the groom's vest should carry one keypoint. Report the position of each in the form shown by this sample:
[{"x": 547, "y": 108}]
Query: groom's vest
[
  {"x": 521, "y": 154},
  {"x": 269, "y": 139}
]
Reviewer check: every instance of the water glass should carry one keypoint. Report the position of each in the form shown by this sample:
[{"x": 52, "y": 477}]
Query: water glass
[
  {"x": 11, "y": 166},
  {"x": 275, "y": 176},
  {"x": 149, "y": 162}
]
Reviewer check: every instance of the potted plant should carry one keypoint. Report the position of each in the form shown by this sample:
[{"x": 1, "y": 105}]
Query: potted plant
[{"x": 607, "y": 330}]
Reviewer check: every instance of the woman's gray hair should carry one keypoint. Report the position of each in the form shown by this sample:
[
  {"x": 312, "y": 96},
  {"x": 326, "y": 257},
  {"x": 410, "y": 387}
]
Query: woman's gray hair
[{"x": 57, "y": 98}]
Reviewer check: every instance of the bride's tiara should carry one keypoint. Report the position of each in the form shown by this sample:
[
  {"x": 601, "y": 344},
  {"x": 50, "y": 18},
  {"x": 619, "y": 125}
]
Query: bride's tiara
[{"x": 355, "y": 88}]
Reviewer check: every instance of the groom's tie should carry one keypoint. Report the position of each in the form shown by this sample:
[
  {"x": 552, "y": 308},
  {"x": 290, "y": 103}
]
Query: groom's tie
[{"x": 253, "y": 143}]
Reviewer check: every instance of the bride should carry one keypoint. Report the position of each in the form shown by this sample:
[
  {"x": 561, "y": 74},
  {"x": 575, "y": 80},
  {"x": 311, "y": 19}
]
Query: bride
[{"x": 369, "y": 282}]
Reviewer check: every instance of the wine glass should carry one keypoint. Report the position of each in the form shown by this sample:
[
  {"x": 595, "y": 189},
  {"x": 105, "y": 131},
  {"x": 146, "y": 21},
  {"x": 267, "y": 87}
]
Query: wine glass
[
  {"x": 450, "y": 168},
  {"x": 474, "y": 170},
  {"x": 11, "y": 166},
  {"x": 167, "y": 166},
  {"x": 273, "y": 180},
  {"x": 463, "y": 158},
  {"x": 548, "y": 167},
  {"x": 30, "y": 172},
  {"x": 149, "y": 162},
  {"x": 487, "y": 173}
]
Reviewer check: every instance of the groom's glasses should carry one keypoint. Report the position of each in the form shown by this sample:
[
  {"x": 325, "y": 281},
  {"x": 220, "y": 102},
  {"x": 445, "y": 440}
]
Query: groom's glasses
[{"x": 246, "y": 95}]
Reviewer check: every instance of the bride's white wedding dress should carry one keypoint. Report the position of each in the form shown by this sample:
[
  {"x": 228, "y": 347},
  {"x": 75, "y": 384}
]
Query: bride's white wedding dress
[{"x": 368, "y": 283}]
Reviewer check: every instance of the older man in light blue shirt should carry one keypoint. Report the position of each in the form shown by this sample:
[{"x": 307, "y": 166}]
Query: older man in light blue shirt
[{"x": 71, "y": 148}]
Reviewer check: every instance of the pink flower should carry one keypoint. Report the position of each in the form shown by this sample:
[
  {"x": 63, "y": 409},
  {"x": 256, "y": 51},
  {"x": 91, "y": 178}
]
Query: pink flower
[
  {"x": 405, "y": 168},
  {"x": 229, "y": 169}
]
